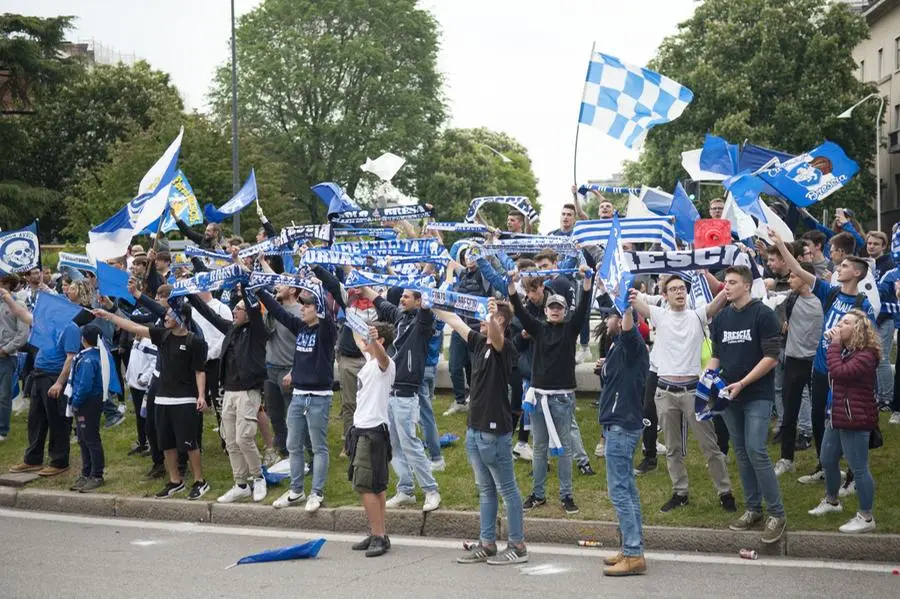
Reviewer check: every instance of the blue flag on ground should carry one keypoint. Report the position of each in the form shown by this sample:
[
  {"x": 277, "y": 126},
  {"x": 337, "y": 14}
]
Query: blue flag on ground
[
  {"x": 614, "y": 271},
  {"x": 113, "y": 282},
  {"x": 719, "y": 156},
  {"x": 335, "y": 199},
  {"x": 308, "y": 550},
  {"x": 813, "y": 176},
  {"x": 245, "y": 196},
  {"x": 20, "y": 250},
  {"x": 685, "y": 214}
]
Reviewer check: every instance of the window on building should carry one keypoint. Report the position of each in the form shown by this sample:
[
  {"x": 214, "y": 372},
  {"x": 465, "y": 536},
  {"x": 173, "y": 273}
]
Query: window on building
[
  {"x": 862, "y": 70},
  {"x": 897, "y": 190},
  {"x": 896, "y": 117},
  {"x": 880, "y": 64},
  {"x": 897, "y": 54}
]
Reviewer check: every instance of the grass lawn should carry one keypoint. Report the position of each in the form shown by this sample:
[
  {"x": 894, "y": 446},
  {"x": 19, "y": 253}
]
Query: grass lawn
[{"x": 124, "y": 475}]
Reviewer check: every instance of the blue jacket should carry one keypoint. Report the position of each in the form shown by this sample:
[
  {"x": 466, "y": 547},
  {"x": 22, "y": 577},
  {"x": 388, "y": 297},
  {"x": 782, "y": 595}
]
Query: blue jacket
[
  {"x": 435, "y": 344},
  {"x": 87, "y": 381},
  {"x": 624, "y": 374}
]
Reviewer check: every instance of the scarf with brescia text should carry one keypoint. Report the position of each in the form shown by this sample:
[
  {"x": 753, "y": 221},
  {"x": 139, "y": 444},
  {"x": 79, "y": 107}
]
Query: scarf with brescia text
[
  {"x": 548, "y": 273},
  {"x": 520, "y": 203},
  {"x": 287, "y": 238},
  {"x": 211, "y": 280},
  {"x": 380, "y": 233},
  {"x": 358, "y": 278},
  {"x": 702, "y": 409},
  {"x": 463, "y": 304},
  {"x": 391, "y": 247},
  {"x": 268, "y": 280},
  {"x": 358, "y": 217},
  {"x": 338, "y": 258},
  {"x": 682, "y": 261},
  {"x": 531, "y": 245},
  {"x": 468, "y": 228}
]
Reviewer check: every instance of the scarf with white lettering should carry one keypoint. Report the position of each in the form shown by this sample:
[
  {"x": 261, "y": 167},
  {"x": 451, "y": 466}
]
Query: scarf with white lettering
[
  {"x": 380, "y": 233},
  {"x": 520, "y": 203},
  {"x": 391, "y": 247},
  {"x": 332, "y": 257},
  {"x": 358, "y": 278},
  {"x": 211, "y": 280},
  {"x": 532, "y": 245},
  {"x": 285, "y": 241},
  {"x": 702, "y": 409},
  {"x": 357, "y": 217},
  {"x": 470, "y": 306},
  {"x": 268, "y": 280},
  {"x": 468, "y": 228}
]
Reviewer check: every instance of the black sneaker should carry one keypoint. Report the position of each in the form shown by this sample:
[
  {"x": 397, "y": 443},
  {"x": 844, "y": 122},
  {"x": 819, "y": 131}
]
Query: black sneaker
[
  {"x": 137, "y": 449},
  {"x": 586, "y": 470},
  {"x": 362, "y": 545},
  {"x": 804, "y": 442},
  {"x": 532, "y": 502},
  {"x": 727, "y": 501},
  {"x": 378, "y": 546},
  {"x": 170, "y": 489},
  {"x": 646, "y": 465},
  {"x": 569, "y": 505},
  {"x": 676, "y": 501},
  {"x": 198, "y": 490},
  {"x": 93, "y": 482},
  {"x": 157, "y": 471}
]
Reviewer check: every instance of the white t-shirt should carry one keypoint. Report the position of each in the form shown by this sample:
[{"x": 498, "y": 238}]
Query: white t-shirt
[
  {"x": 679, "y": 341},
  {"x": 213, "y": 336},
  {"x": 373, "y": 393}
]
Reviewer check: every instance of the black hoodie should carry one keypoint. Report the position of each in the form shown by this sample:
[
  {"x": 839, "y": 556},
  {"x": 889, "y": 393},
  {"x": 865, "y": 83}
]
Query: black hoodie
[{"x": 414, "y": 331}]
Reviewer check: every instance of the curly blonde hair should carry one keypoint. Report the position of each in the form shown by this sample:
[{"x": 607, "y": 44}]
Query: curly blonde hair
[
  {"x": 864, "y": 334},
  {"x": 84, "y": 292}
]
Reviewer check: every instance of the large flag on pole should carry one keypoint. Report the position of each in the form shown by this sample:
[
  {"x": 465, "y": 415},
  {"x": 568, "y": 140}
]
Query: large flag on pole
[
  {"x": 614, "y": 270},
  {"x": 811, "y": 177},
  {"x": 183, "y": 202},
  {"x": 243, "y": 198},
  {"x": 112, "y": 238},
  {"x": 626, "y": 101}
]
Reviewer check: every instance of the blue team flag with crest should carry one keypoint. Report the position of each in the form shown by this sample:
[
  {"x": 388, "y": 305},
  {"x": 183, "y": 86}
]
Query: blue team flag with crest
[
  {"x": 20, "y": 250},
  {"x": 335, "y": 199},
  {"x": 812, "y": 176},
  {"x": 245, "y": 196},
  {"x": 685, "y": 214},
  {"x": 614, "y": 270}
]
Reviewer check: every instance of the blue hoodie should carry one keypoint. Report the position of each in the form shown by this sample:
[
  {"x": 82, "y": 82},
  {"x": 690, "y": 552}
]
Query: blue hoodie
[
  {"x": 624, "y": 374},
  {"x": 87, "y": 380}
]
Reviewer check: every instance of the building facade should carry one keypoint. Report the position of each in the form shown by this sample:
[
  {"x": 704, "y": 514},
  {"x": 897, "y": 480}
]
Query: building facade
[{"x": 879, "y": 62}]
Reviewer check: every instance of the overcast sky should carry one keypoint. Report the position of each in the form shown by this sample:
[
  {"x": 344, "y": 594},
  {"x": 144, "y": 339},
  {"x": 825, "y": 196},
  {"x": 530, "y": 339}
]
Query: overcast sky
[{"x": 511, "y": 65}]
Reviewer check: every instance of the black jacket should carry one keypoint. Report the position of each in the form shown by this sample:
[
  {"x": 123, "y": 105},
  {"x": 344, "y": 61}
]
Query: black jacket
[
  {"x": 623, "y": 374},
  {"x": 414, "y": 331},
  {"x": 247, "y": 343}
]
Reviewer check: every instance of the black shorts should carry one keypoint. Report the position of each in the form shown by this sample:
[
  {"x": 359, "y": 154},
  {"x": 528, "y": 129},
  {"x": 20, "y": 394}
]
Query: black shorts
[
  {"x": 370, "y": 455},
  {"x": 177, "y": 426}
]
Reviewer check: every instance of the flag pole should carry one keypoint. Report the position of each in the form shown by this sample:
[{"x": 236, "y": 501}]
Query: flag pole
[{"x": 578, "y": 123}]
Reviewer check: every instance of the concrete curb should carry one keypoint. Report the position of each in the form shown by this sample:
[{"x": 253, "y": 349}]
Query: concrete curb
[{"x": 457, "y": 525}]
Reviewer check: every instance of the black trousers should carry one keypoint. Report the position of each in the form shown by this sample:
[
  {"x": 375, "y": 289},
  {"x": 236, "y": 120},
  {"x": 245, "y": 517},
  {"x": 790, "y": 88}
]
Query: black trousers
[
  {"x": 722, "y": 435},
  {"x": 650, "y": 433},
  {"x": 87, "y": 428},
  {"x": 818, "y": 397},
  {"x": 150, "y": 424},
  {"x": 47, "y": 417},
  {"x": 140, "y": 423},
  {"x": 797, "y": 376},
  {"x": 277, "y": 400}
]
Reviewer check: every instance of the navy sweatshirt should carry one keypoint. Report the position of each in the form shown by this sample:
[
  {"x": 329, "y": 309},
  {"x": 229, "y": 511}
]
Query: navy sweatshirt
[
  {"x": 414, "y": 331},
  {"x": 623, "y": 374}
]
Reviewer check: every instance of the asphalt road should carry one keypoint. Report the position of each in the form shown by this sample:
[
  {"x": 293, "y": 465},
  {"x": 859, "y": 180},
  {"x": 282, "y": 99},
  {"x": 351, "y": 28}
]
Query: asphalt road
[{"x": 51, "y": 555}]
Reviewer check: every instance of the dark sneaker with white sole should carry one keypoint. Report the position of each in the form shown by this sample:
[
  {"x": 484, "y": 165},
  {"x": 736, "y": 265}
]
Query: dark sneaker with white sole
[
  {"x": 532, "y": 502},
  {"x": 675, "y": 501},
  {"x": 568, "y": 504},
  {"x": 510, "y": 555},
  {"x": 728, "y": 503},
  {"x": 170, "y": 489},
  {"x": 478, "y": 554},
  {"x": 198, "y": 490}
]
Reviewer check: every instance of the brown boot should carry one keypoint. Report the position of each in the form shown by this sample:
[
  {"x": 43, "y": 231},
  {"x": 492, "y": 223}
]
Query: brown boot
[
  {"x": 52, "y": 471},
  {"x": 23, "y": 467},
  {"x": 615, "y": 559},
  {"x": 628, "y": 566}
]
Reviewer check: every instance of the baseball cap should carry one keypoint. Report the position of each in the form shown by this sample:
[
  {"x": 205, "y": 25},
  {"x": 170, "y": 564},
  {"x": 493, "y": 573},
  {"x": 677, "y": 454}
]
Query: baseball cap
[{"x": 557, "y": 299}]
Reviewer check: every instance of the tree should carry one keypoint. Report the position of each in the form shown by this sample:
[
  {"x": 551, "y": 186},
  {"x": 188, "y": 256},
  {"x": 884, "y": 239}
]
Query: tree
[
  {"x": 774, "y": 72},
  {"x": 205, "y": 159},
  {"x": 460, "y": 166},
  {"x": 326, "y": 83}
]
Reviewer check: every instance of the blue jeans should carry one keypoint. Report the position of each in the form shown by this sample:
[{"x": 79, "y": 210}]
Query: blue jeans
[
  {"x": 623, "y": 493},
  {"x": 7, "y": 371},
  {"x": 884, "y": 372},
  {"x": 748, "y": 426},
  {"x": 579, "y": 454},
  {"x": 426, "y": 414},
  {"x": 460, "y": 365},
  {"x": 854, "y": 445},
  {"x": 308, "y": 415},
  {"x": 491, "y": 459},
  {"x": 110, "y": 409},
  {"x": 409, "y": 453},
  {"x": 562, "y": 406}
]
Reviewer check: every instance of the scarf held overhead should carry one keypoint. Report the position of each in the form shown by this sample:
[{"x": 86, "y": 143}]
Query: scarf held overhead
[
  {"x": 356, "y": 217},
  {"x": 212, "y": 280},
  {"x": 520, "y": 203},
  {"x": 359, "y": 278}
]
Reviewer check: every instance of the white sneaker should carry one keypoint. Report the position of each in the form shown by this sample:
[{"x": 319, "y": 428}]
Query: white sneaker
[
  {"x": 259, "y": 489},
  {"x": 895, "y": 418},
  {"x": 121, "y": 408},
  {"x": 583, "y": 355},
  {"x": 825, "y": 508},
  {"x": 600, "y": 450},
  {"x": 235, "y": 493},
  {"x": 811, "y": 479},
  {"x": 858, "y": 524},
  {"x": 438, "y": 465},
  {"x": 847, "y": 489},
  {"x": 2, "y": 438},
  {"x": 289, "y": 499},
  {"x": 399, "y": 499},
  {"x": 783, "y": 465},
  {"x": 660, "y": 448},
  {"x": 523, "y": 451},
  {"x": 456, "y": 408},
  {"x": 314, "y": 502},
  {"x": 432, "y": 501}
]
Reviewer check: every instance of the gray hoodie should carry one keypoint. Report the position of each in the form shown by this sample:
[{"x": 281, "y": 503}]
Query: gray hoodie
[{"x": 13, "y": 332}]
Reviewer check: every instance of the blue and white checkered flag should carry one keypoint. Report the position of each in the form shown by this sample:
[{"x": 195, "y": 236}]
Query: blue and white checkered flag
[{"x": 625, "y": 101}]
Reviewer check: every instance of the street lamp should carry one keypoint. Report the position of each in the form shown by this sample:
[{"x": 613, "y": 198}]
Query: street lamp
[
  {"x": 846, "y": 115},
  {"x": 502, "y": 157},
  {"x": 235, "y": 177}
]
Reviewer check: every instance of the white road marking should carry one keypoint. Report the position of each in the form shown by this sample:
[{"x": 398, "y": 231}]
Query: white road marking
[
  {"x": 543, "y": 569},
  {"x": 140, "y": 543},
  {"x": 535, "y": 549}
]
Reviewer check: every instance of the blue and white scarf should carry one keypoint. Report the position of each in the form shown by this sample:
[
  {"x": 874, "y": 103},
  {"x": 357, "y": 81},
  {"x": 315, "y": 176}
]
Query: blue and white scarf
[
  {"x": 468, "y": 228},
  {"x": 529, "y": 407},
  {"x": 358, "y": 324},
  {"x": 212, "y": 280},
  {"x": 649, "y": 229},
  {"x": 392, "y": 247},
  {"x": 380, "y": 233},
  {"x": 520, "y": 203},
  {"x": 268, "y": 280},
  {"x": 357, "y": 217},
  {"x": 284, "y": 242},
  {"x": 609, "y": 189},
  {"x": 548, "y": 273},
  {"x": 532, "y": 245},
  {"x": 77, "y": 261},
  {"x": 358, "y": 278},
  {"x": 463, "y": 304},
  {"x": 702, "y": 409},
  {"x": 338, "y": 258}
]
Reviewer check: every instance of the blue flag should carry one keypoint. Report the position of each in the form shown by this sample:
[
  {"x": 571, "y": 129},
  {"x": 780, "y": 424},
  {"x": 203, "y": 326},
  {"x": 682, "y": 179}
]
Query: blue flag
[
  {"x": 745, "y": 188},
  {"x": 614, "y": 271},
  {"x": 113, "y": 282},
  {"x": 183, "y": 201},
  {"x": 308, "y": 550},
  {"x": 813, "y": 176},
  {"x": 719, "y": 156},
  {"x": 20, "y": 250},
  {"x": 245, "y": 196},
  {"x": 335, "y": 199},
  {"x": 685, "y": 214}
]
